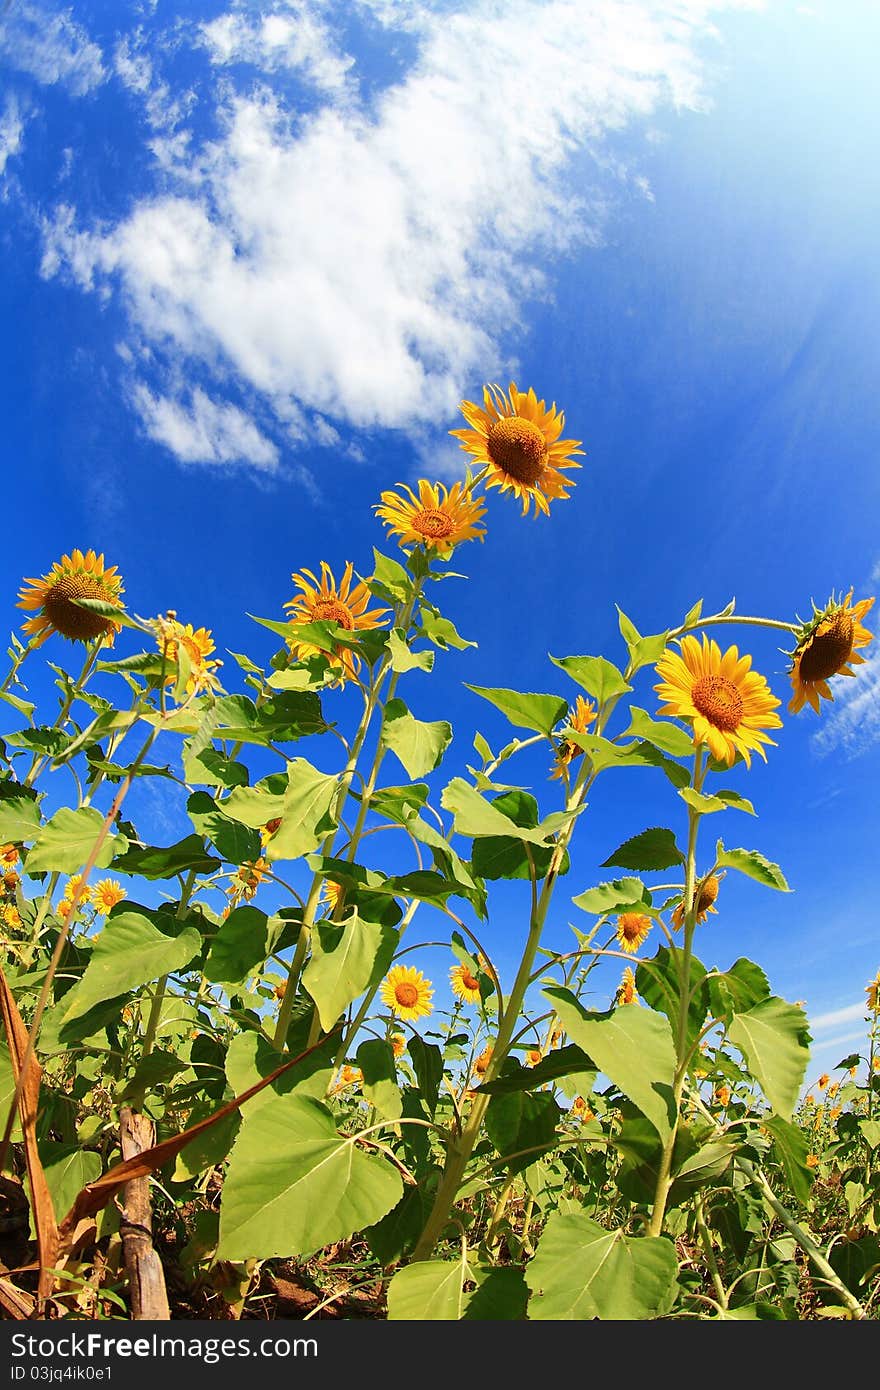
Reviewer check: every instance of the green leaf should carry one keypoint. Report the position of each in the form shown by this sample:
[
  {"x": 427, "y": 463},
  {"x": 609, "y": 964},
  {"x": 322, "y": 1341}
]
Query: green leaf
[
  {"x": 253, "y": 806},
  {"x": 244, "y": 940},
  {"x": 128, "y": 953},
  {"x": 621, "y": 895},
  {"x": 519, "y": 1121},
  {"x": 737, "y": 990},
  {"x": 403, "y": 658},
  {"x": 391, "y": 578},
  {"x": 720, "y": 801},
  {"x": 251, "y": 1056},
  {"x": 66, "y": 841},
  {"x": 419, "y": 746},
  {"x": 68, "y": 1169},
  {"x": 427, "y": 1060},
  {"x": 594, "y": 674},
  {"x": 396, "y": 1234},
  {"x": 346, "y": 957},
  {"x": 753, "y": 864},
  {"x": 658, "y": 982},
  {"x": 496, "y": 857},
  {"x": 153, "y": 862},
  {"x": 19, "y": 820},
  {"x": 234, "y": 841},
  {"x": 429, "y": 1291},
  {"x": 774, "y": 1039},
  {"x": 376, "y": 1061},
  {"x": 632, "y": 1046},
  {"x": 790, "y": 1147},
  {"x": 569, "y": 1061},
  {"x": 653, "y": 849},
  {"x": 306, "y": 813},
  {"x": 7, "y": 1091},
  {"x": 663, "y": 734},
  {"x": 475, "y": 816},
  {"x": 581, "y": 1271},
  {"x": 441, "y": 631},
  {"x": 294, "y": 1184},
  {"x": 538, "y": 712}
]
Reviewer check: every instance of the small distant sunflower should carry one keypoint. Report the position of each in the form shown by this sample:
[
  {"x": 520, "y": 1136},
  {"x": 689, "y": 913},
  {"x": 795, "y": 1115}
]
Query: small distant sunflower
[
  {"x": 534, "y": 1056},
  {"x": 812, "y": 1160},
  {"x": 727, "y": 703},
  {"x": 438, "y": 518},
  {"x": 464, "y": 985},
  {"x": 398, "y": 1044},
  {"x": 406, "y": 992},
  {"x": 9, "y": 854},
  {"x": 322, "y": 600},
  {"x": 10, "y": 880},
  {"x": 71, "y": 887},
  {"x": 873, "y": 992},
  {"x": 706, "y": 894},
  {"x": 823, "y": 1081},
  {"x": 579, "y": 719},
  {"x": 106, "y": 894},
  {"x": 722, "y": 1095},
  {"x": 632, "y": 930},
  {"x": 517, "y": 437},
  {"x": 626, "y": 990},
  {"x": 827, "y": 646},
  {"x": 247, "y": 880},
  {"x": 197, "y": 643},
  {"x": 11, "y": 916},
  {"x": 54, "y": 596}
]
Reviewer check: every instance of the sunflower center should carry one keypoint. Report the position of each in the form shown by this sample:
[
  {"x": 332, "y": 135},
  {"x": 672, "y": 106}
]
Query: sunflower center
[
  {"x": 468, "y": 980},
  {"x": 708, "y": 893},
  {"x": 631, "y": 925},
  {"x": 330, "y": 610},
  {"x": 66, "y": 617},
  {"x": 406, "y": 994},
  {"x": 434, "y": 523},
  {"x": 719, "y": 701},
  {"x": 829, "y": 650},
  {"x": 518, "y": 448}
]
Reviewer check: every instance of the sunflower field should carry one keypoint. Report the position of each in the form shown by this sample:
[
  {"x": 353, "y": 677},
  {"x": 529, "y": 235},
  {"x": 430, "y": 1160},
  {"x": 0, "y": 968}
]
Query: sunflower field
[{"x": 228, "y": 1090}]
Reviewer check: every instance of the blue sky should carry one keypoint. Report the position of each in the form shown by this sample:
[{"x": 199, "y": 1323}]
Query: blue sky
[{"x": 255, "y": 255}]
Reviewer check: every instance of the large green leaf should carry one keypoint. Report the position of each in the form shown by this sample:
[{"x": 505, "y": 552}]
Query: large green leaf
[
  {"x": 658, "y": 982},
  {"x": 66, "y": 841},
  {"x": 651, "y": 850},
  {"x": 128, "y": 953},
  {"x": 519, "y": 1121},
  {"x": 241, "y": 945},
  {"x": 19, "y": 819},
  {"x": 419, "y": 745},
  {"x": 538, "y": 712},
  {"x": 403, "y": 658},
  {"x": 294, "y": 1184},
  {"x": 427, "y": 1060},
  {"x": 68, "y": 1169},
  {"x": 569, "y": 1061},
  {"x": 251, "y": 1056},
  {"x": 234, "y": 841},
  {"x": 581, "y": 1271},
  {"x": 738, "y": 989},
  {"x": 632, "y": 1046},
  {"x": 596, "y": 675},
  {"x": 790, "y": 1147},
  {"x": 346, "y": 957},
  {"x": 254, "y": 806},
  {"x": 775, "y": 1040},
  {"x": 153, "y": 862},
  {"x": 753, "y": 864},
  {"x": 475, "y": 816},
  {"x": 663, "y": 734},
  {"x": 376, "y": 1061},
  {"x": 720, "y": 801},
  {"x": 429, "y": 1291},
  {"x": 622, "y": 895},
  {"x": 306, "y": 813}
]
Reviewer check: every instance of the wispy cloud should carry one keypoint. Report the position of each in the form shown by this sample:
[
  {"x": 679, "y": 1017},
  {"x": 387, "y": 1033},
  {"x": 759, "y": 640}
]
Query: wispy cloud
[
  {"x": 50, "y": 46},
  {"x": 853, "y": 721},
  {"x": 11, "y": 131},
  {"x": 205, "y": 431},
  {"x": 371, "y": 262},
  {"x": 836, "y": 1017}
]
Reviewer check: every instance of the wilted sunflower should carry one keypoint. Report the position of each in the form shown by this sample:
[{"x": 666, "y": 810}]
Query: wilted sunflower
[
  {"x": 632, "y": 930},
  {"x": 323, "y": 601},
  {"x": 517, "y": 437},
  {"x": 464, "y": 985},
  {"x": 827, "y": 646},
  {"x": 705, "y": 895},
  {"x": 435, "y": 521},
  {"x": 626, "y": 990},
  {"x": 54, "y": 596},
  {"x": 728, "y": 704},
  {"x": 579, "y": 719},
  {"x": 106, "y": 894},
  {"x": 406, "y": 992}
]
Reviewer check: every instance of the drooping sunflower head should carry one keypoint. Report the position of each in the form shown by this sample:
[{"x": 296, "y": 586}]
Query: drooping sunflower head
[
  {"x": 106, "y": 894},
  {"x": 324, "y": 601},
  {"x": 55, "y": 597},
  {"x": 407, "y": 993},
  {"x": 516, "y": 437},
  {"x": 827, "y": 646},
  {"x": 626, "y": 990},
  {"x": 873, "y": 992},
  {"x": 632, "y": 930},
  {"x": 465, "y": 984},
  {"x": 727, "y": 703},
  {"x": 438, "y": 518},
  {"x": 579, "y": 719},
  {"x": 705, "y": 897},
  {"x": 481, "y": 1065},
  {"x": 333, "y": 894},
  {"x": 247, "y": 880}
]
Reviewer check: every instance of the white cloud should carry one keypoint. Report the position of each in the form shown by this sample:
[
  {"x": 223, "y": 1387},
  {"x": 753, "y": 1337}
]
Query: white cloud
[
  {"x": 11, "y": 131},
  {"x": 837, "y": 1016},
  {"x": 207, "y": 432},
  {"x": 853, "y": 721},
  {"x": 292, "y": 37},
  {"x": 371, "y": 264},
  {"x": 50, "y": 46}
]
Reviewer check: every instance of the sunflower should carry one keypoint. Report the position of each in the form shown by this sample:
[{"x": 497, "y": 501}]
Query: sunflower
[
  {"x": 398, "y": 1044},
  {"x": 823, "y": 1081},
  {"x": 197, "y": 645},
  {"x": 722, "y": 1095},
  {"x": 534, "y": 1056},
  {"x": 106, "y": 894},
  {"x": 812, "y": 1160},
  {"x": 70, "y": 888},
  {"x": 481, "y": 1065},
  {"x": 626, "y": 990},
  {"x": 464, "y": 985},
  {"x": 437, "y": 522},
  {"x": 517, "y": 439},
  {"x": 75, "y": 576},
  {"x": 827, "y": 646},
  {"x": 11, "y": 916},
  {"x": 10, "y": 880},
  {"x": 9, "y": 854},
  {"x": 579, "y": 718},
  {"x": 406, "y": 992},
  {"x": 632, "y": 930},
  {"x": 323, "y": 601},
  {"x": 705, "y": 895},
  {"x": 728, "y": 704},
  {"x": 332, "y": 894},
  {"x": 247, "y": 880},
  {"x": 873, "y": 992}
]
